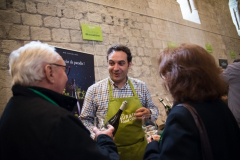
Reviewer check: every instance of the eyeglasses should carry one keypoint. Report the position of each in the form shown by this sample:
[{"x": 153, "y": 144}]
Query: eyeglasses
[{"x": 67, "y": 68}]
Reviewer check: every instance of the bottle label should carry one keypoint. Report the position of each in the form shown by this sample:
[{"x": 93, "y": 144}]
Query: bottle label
[{"x": 127, "y": 117}]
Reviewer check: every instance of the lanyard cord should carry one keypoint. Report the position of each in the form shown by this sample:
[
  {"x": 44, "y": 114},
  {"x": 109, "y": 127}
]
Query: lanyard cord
[{"x": 44, "y": 96}]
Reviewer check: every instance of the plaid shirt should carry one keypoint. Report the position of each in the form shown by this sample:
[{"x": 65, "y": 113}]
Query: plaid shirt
[{"x": 97, "y": 98}]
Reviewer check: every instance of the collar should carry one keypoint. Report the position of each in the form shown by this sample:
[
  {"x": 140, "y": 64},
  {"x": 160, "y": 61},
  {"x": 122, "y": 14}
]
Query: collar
[
  {"x": 63, "y": 101},
  {"x": 114, "y": 85}
]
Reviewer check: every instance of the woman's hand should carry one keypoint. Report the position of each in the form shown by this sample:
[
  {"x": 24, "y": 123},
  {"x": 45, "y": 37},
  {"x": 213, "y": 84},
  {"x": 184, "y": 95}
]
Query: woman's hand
[{"x": 153, "y": 138}]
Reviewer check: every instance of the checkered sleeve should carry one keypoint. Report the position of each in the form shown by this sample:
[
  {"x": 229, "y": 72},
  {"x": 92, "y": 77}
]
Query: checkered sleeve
[
  {"x": 149, "y": 102},
  {"x": 88, "y": 111}
]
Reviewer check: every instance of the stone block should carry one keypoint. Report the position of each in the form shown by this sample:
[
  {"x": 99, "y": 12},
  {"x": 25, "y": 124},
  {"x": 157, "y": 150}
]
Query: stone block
[
  {"x": 100, "y": 61},
  {"x": 19, "y": 32},
  {"x": 154, "y": 27},
  {"x": 76, "y": 36},
  {"x": 88, "y": 48},
  {"x": 152, "y": 35},
  {"x": 3, "y": 32},
  {"x": 113, "y": 40},
  {"x": 77, "y": 5},
  {"x": 157, "y": 43},
  {"x": 133, "y": 50},
  {"x": 141, "y": 18},
  {"x": 137, "y": 61},
  {"x": 146, "y": 61},
  {"x": 127, "y": 31},
  {"x": 69, "y": 23},
  {"x": 60, "y": 35},
  {"x": 95, "y": 17},
  {"x": 124, "y": 41},
  {"x": 65, "y": 12},
  {"x": 140, "y": 51},
  {"x": 147, "y": 26},
  {"x": 9, "y": 17},
  {"x": 154, "y": 5},
  {"x": 78, "y": 14},
  {"x": 31, "y": 7},
  {"x": 101, "y": 50},
  {"x": 101, "y": 74},
  {"x": 116, "y": 30},
  {"x": 46, "y": 9},
  {"x": 42, "y": 34},
  {"x": 18, "y": 5},
  {"x": 145, "y": 34},
  {"x": 138, "y": 25},
  {"x": 136, "y": 71},
  {"x": 105, "y": 28},
  {"x": 3, "y": 5},
  {"x": 50, "y": 21},
  {"x": 136, "y": 32},
  {"x": 133, "y": 41},
  {"x": 31, "y": 19},
  {"x": 107, "y": 19},
  {"x": 9, "y": 45},
  {"x": 3, "y": 62},
  {"x": 96, "y": 7},
  {"x": 140, "y": 42},
  {"x": 148, "y": 43}
]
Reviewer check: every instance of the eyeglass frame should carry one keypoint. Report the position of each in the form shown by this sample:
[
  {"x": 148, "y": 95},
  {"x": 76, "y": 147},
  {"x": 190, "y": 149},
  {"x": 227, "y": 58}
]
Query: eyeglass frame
[{"x": 66, "y": 67}]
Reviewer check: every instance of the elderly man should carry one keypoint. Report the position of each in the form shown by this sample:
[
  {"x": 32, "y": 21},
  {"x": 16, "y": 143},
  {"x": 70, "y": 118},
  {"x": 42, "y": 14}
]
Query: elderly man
[
  {"x": 36, "y": 123},
  {"x": 104, "y": 98}
]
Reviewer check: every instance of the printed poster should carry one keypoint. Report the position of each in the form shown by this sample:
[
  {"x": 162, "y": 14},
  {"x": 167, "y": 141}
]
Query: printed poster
[{"x": 81, "y": 75}]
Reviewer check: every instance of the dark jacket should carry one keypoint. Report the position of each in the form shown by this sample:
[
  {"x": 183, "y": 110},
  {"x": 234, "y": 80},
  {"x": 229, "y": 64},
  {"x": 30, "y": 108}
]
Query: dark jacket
[
  {"x": 181, "y": 141},
  {"x": 32, "y": 128}
]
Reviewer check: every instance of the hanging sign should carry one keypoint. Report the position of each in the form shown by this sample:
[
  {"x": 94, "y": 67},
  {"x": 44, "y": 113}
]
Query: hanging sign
[
  {"x": 81, "y": 75},
  {"x": 232, "y": 54},
  {"x": 209, "y": 48},
  {"x": 223, "y": 63},
  {"x": 91, "y": 32},
  {"x": 171, "y": 44}
]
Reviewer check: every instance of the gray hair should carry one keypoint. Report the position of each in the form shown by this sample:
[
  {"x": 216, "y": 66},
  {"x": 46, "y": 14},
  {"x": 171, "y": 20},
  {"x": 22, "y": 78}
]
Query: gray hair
[{"x": 26, "y": 63}]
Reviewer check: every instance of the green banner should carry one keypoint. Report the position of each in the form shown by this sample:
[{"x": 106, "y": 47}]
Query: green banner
[
  {"x": 232, "y": 54},
  {"x": 171, "y": 44},
  {"x": 209, "y": 48},
  {"x": 91, "y": 32}
]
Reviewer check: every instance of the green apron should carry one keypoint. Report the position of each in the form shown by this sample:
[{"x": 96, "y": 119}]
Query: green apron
[{"x": 130, "y": 137}]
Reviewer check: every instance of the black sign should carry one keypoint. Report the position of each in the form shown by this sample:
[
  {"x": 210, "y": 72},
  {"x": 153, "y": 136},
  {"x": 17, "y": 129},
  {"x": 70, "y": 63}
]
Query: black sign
[
  {"x": 223, "y": 63},
  {"x": 81, "y": 75}
]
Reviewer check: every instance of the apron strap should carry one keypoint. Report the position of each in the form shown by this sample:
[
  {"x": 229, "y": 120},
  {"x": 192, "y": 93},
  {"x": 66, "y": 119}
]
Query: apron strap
[{"x": 131, "y": 85}]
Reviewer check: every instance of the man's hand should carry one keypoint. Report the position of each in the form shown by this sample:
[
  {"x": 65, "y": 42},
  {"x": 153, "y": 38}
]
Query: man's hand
[
  {"x": 141, "y": 111},
  {"x": 108, "y": 132}
]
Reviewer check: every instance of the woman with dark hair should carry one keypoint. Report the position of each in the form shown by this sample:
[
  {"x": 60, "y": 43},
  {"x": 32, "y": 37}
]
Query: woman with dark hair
[{"x": 192, "y": 77}]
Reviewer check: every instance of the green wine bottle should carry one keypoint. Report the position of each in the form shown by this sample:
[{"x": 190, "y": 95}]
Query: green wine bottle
[
  {"x": 114, "y": 121},
  {"x": 167, "y": 107}
]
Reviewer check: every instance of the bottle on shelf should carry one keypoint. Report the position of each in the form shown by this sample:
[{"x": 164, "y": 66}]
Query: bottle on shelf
[
  {"x": 114, "y": 121},
  {"x": 167, "y": 107}
]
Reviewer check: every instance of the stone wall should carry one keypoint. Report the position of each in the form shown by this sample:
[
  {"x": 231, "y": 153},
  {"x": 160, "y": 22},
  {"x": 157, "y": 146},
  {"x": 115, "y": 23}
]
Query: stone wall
[{"x": 146, "y": 26}]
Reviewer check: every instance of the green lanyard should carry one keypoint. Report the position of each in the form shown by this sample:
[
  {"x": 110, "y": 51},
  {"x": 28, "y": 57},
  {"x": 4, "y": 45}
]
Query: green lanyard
[
  {"x": 44, "y": 96},
  {"x": 160, "y": 139}
]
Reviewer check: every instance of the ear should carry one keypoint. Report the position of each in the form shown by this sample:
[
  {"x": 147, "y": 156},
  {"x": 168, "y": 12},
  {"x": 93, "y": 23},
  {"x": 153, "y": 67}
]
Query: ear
[
  {"x": 49, "y": 73},
  {"x": 129, "y": 65}
]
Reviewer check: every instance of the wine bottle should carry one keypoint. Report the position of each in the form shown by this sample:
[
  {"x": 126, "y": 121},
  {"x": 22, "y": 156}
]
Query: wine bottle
[
  {"x": 167, "y": 107},
  {"x": 114, "y": 121}
]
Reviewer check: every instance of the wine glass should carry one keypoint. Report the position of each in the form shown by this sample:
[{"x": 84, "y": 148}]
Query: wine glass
[
  {"x": 99, "y": 123},
  {"x": 149, "y": 125}
]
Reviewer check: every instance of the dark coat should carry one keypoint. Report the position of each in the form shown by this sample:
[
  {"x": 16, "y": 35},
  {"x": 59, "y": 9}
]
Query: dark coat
[
  {"x": 181, "y": 140},
  {"x": 32, "y": 128}
]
